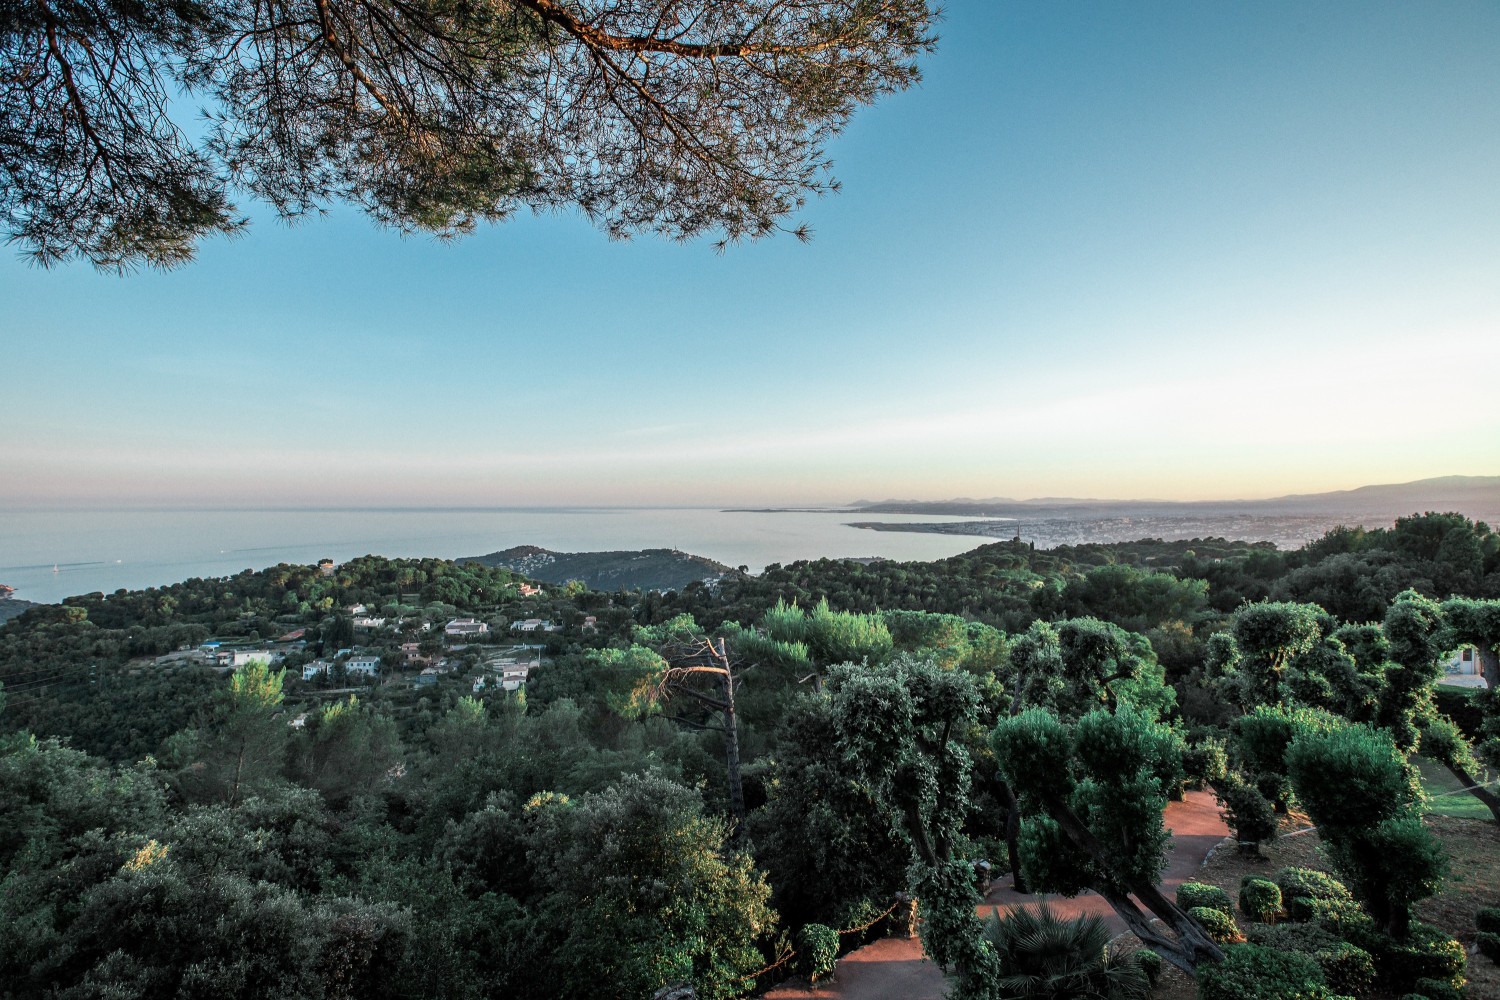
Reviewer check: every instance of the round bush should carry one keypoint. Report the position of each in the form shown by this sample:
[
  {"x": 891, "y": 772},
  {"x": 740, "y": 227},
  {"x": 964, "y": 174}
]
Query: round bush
[
  {"x": 1250, "y": 972},
  {"x": 820, "y": 950},
  {"x": 1302, "y": 889},
  {"x": 1436, "y": 989},
  {"x": 1347, "y": 968},
  {"x": 1219, "y": 925},
  {"x": 1425, "y": 953},
  {"x": 1191, "y": 894},
  {"x": 1306, "y": 938},
  {"x": 1488, "y": 919},
  {"x": 1489, "y": 945},
  {"x": 1260, "y": 900},
  {"x": 1249, "y": 812}
]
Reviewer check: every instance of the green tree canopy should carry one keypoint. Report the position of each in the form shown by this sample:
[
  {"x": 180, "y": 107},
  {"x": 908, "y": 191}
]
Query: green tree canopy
[{"x": 661, "y": 116}]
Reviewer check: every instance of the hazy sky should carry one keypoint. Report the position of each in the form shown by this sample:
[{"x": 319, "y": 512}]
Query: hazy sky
[{"x": 1148, "y": 249}]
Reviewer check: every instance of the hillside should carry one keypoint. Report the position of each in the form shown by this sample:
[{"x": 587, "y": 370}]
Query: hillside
[
  {"x": 646, "y": 569},
  {"x": 14, "y": 608}
]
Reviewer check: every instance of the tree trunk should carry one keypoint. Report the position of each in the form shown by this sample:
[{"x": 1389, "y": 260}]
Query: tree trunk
[
  {"x": 1192, "y": 945},
  {"x": 1013, "y": 837},
  {"x": 732, "y": 753},
  {"x": 1490, "y": 799}
]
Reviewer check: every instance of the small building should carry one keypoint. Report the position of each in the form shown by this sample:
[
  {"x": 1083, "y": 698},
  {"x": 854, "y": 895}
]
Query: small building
[
  {"x": 364, "y": 665},
  {"x": 533, "y": 625},
  {"x": 530, "y": 590},
  {"x": 314, "y": 669},
  {"x": 369, "y": 622},
  {"x": 325, "y": 567},
  {"x": 427, "y": 677},
  {"x": 1468, "y": 666},
  {"x": 590, "y": 624},
  {"x": 240, "y": 657},
  {"x": 466, "y": 627}
]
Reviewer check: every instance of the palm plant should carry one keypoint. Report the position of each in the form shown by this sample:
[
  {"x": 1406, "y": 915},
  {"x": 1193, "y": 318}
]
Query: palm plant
[{"x": 1043, "y": 955}]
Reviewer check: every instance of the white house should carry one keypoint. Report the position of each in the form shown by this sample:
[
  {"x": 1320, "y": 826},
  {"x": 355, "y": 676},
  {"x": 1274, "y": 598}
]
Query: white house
[
  {"x": 239, "y": 657},
  {"x": 535, "y": 625},
  {"x": 313, "y": 669},
  {"x": 465, "y": 626},
  {"x": 364, "y": 664},
  {"x": 1465, "y": 668}
]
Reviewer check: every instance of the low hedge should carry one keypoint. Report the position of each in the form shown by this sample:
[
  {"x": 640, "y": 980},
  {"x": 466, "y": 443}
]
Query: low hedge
[
  {"x": 1219, "y": 925},
  {"x": 1426, "y": 953},
  {"x": 1191, "y": 894},
  {"x": 1488, "y": 919},
  {"x": 1437, "y": 989},
  {"x": 1251, "y": 972},
  {"x": 1303, "y": 888},
  {"x": 1347, "y": 968}
]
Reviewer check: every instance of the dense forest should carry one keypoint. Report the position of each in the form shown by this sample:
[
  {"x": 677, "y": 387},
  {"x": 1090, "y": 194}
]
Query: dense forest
[{"x": 715, "y": 788}]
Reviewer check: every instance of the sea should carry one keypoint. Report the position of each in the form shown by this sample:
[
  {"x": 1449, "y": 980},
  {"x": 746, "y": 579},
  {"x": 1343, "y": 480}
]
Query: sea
[{"x": 49, "y": 555}]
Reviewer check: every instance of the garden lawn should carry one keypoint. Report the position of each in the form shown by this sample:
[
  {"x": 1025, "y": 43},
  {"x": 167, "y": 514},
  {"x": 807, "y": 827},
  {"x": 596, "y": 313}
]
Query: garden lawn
[{"x": 1444, "y": 798}]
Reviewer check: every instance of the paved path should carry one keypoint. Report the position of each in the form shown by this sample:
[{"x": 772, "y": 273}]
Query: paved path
[{"x": 896, "y": 969}]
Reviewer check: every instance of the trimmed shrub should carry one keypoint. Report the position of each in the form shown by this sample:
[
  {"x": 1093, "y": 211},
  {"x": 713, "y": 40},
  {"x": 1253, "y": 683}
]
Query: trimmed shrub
[
  {"x": 1205, "y": 760},
  {"x": 1425, "y": 953},
  {"x": 1307, "y": 938},
  {"x": 1260, "y": 900},
  {"x": 1489, "y": 945},
  {"x": 1488, "y": 919},
  {"x": 1150, "y": 963},
  {"x": 1250, "y": 972},
  {"x": 1302, "y": 889},
  {"x": 820, "y": 950},
  {"x": 1249, "y": 813},
  {"x": 1347, "y": 968},
  {"x": 1219, "y": 925},
  {"x": 1191, "y": 894},
  {"x": 1436, "y": 989}
]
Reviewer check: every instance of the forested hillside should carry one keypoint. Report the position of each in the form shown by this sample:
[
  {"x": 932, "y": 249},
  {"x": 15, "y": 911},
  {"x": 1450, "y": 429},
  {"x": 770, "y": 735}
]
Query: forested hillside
[{"x": 414, "y": 778}]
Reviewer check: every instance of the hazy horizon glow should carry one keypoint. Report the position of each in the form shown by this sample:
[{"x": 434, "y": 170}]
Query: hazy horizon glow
[{"x": 1160, "y": 251}]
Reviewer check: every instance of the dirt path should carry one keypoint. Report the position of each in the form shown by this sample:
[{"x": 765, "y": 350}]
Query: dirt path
[{"x": 896, "y": 969}]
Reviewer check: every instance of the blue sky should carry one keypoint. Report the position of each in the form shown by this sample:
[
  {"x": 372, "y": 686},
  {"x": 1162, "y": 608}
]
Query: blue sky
[{"x": 1148, "y": 249}]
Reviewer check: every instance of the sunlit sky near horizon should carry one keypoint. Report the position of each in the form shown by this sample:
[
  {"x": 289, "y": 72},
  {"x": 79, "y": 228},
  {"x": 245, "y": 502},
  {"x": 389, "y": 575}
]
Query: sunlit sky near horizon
[{"x": 1172, "y": 250}]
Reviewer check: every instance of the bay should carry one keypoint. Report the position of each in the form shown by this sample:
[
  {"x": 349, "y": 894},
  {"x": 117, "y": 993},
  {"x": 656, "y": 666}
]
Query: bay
[{"x": 48, "y": 555}]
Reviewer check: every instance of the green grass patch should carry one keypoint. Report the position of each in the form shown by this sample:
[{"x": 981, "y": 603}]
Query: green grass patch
[{"x": 1437, "y": 780}]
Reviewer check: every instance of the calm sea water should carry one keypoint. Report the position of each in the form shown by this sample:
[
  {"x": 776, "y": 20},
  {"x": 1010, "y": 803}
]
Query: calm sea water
[{"x": 109, "y": 549}]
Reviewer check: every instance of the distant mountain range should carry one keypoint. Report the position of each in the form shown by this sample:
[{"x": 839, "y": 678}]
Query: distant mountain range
[
  {"x": 1476, "y": 496},
  {"x": 647, "y": 569}
]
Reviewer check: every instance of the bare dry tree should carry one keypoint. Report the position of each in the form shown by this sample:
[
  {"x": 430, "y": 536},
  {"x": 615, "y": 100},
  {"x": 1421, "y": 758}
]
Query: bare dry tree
[
  {"x": 702, "y": 670},
  {"x": 675, "y": 117}
]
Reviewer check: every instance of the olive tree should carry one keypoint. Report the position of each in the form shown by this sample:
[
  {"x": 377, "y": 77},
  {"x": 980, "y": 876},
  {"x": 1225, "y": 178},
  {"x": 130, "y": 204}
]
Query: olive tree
[
  {"x": 1093, "y": 794},
  {"x": 1356, "y": 784}
]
